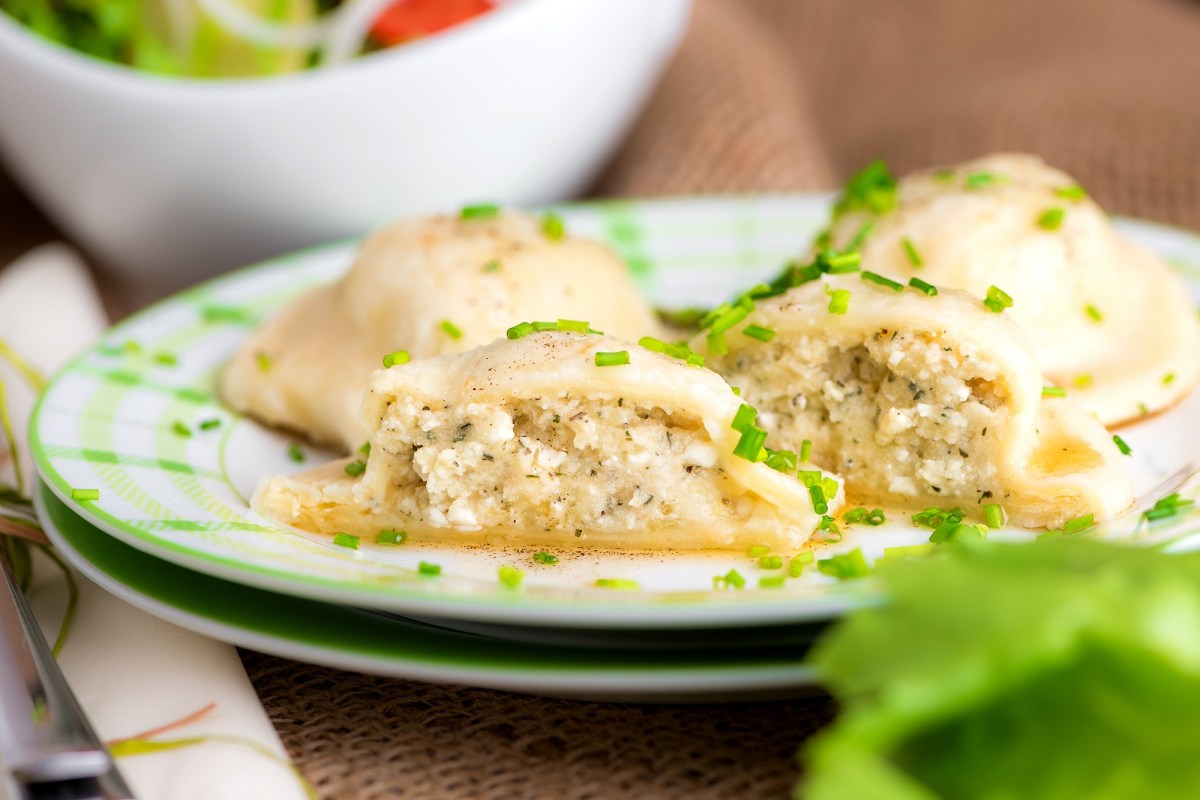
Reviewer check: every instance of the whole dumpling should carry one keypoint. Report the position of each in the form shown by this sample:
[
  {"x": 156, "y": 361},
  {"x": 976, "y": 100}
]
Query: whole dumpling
[
  {"x": 431, "y": 285},
  {"x": 918, "y": 400},
  {"x": 1109, "y": 322},
  {"x": 535, "y": 441}
]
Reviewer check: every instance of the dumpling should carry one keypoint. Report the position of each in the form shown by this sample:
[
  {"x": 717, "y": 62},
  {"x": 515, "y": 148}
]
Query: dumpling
[
  {"x": 1109, "y": 322},
  {"x": 918, "y": 400},
  {"x": 432, "y": 285},
  {"x": 531, "y": 441}
]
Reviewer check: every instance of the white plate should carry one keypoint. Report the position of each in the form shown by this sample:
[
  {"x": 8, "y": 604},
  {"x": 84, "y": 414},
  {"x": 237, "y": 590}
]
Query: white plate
[{"x": 106, "y": 422}]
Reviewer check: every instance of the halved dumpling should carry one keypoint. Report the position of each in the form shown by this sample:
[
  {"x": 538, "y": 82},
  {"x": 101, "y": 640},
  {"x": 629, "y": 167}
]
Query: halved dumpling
[
  {"x": 530, "y": 441},
  {"x": 1109, "y": 321},
  {"x": 919, "y": 400},
  {"x": 430, "y": 285}
]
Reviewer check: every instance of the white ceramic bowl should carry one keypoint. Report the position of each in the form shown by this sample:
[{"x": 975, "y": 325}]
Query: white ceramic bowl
[{"x": 169, "y": 180}]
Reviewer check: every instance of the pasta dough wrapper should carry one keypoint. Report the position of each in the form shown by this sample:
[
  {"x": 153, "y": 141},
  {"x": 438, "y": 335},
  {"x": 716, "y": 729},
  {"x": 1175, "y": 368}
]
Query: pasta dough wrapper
[
  {"x": 1109, "y": 321},
  {"x": 919, "y": 401},
  {"x": 528, "y": 441},
  {"x": 306, "y": 368}
]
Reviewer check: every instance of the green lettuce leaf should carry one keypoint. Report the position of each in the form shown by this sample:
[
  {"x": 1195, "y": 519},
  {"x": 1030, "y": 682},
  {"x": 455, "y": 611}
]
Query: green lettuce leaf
[{"x": 1066, "y": 669}]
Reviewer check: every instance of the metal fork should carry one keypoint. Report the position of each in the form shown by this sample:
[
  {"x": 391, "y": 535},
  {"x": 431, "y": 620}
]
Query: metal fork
[{"x": 46, "y": 741}]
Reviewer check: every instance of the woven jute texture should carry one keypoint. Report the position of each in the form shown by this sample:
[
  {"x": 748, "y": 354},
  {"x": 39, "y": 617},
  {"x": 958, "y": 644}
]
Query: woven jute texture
[{"x": 770, "y": 95}]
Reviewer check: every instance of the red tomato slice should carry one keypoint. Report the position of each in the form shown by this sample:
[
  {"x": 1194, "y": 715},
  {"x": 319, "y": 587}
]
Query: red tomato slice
[{"x": 410, "y": 19}]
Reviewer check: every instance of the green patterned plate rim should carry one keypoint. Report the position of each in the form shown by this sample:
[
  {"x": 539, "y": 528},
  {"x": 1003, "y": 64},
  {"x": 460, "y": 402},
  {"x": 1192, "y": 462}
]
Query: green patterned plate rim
[{"x": 108, "y": 421}]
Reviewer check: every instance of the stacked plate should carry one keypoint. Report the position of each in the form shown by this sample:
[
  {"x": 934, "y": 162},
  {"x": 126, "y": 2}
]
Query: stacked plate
[{"x": 137, "y": 418}]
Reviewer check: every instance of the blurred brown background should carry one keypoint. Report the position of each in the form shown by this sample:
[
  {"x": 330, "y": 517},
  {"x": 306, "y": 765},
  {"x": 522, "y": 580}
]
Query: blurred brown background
[{"x": 770, "y": 95}]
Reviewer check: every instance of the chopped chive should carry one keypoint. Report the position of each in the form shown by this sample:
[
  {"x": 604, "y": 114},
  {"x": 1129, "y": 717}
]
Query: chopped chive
[
  {"x": 920, "y": 285},
  {"x": 750, "y": 444},
  {"x": 166, "y": 359},
  {"x": 542, "y": 557},
  {"x": 839, "y": 263},
  {"x": 830, "y": 487},
  {"x": 1079, "y": 524},
  {"x": 85, "y": 494},
  {"x": 1052, "y": 218},
  {"x": 875, "y": 278},
  {"x": 770, "y": 562},
  {"x": 345, "y": 540},
  {"x": 450, "y": 329},
  {"x": 425, "y": 568},
  {"x": 744, "y": 417},
  {"x": 997, "y": 299},
  {"x": 757, "y": 550},
  {"x": 771, "y": 581},
  {"x": 492, "y": 265},
  {"x": 717, "y": 345},
  {"x": 1169, "y": 506},
  {"x": 734, "y": 578},
  {"x": 616, "y": 583},
  {"x": 573, "y": 325},
  {"x": 799, "y": 561},
  {"x": 876, "y": 517},
  {"x": 847, "y": 566},
  {"x": 805, "y": 450},
  {"x": 781, "y": 460},
  {"x": 1083, "y": 381},
  {"x": 982, "y": 179},
  {"x": 1168, "y": 379},
  {"x": 1142, "y": 410},
  {"x": 391, "y": 536},
  {"x": 398, "y": 357},
  {"x": 295, "y": 453},
  {"x": 839, "y": 301},
  {"x": 132, "y": 347},
  {"x": 510, "y": 577},
  {"x": 1094, "y": 313},
  {"x": 479, "y": 211},
  {"x": 854, "y": 515},
  {"x": 209, "y": 424},
  {"x": 364, "y": 449},
  {"x": 519, "y": 330},
  {"x": 612, "y": 359},
  {"x": 943, "y": 175},
  {"x": 817, "y": 493},
  {"x": 907, "y": 551},
  {"x": 809, "y": 477},
  {"x": 1122, "y": 446},
  {"x": 1074, "y": 192},
  {"x": 910, "y": 250},
  {"x": 1053, "y": 391},
  {"x": 538, "y": 327},
  {"x": 356, "y": 468},
  {"x": 263, "y": 361},
  {"x": 993, "y": 515},
  {"x": 730, "y": 318},
  {"x": 863, "y": 233},
  {"x": 553, "y": 227},
  {"x": 945, "y": 530},
  {"x": 181, "y": 430},
  {"x": 759, "y": 332},
  {"x": 965, "y": 530}
]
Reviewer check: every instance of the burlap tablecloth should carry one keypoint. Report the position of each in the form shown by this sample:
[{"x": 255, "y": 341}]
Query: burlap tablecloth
[{"x": 770, "y": 95}]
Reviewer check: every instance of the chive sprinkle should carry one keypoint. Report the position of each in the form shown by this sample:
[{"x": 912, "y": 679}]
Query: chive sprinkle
[
  {"x": 209, "y": 424},
  {"x": 391, "y": 536},
  {"x": 295, "y": 453},
  {"x": 364, "y": 449},
  {"x": 997, "y": 299},
  {"x": 875, "y": 517},
  {"x": 1079, "y": 524},
  {"x": 910, "y": 249},
  {"x": 854, "y": 515},
  {"x": 263, "y": 361},
  {"x": 759, "y": 332},
  {"x": 771, "y": 581},
  {"x": 1052, "y": 218},
  {"x": 425, "y": 568},
  {"x": 542, "y": 557},
  {"x": 840, "y": 263},
  {"x": 492, "y": 266},
  {"x": 345, "y": 540},
  {"x": 614, "y": 359},
  {"x": 861, "y": 236},
  {"x": 1074, "y": 192},
  {"x": 770, "y": 562},
  {"x": 993, "y": 515},
  {"x": 1053, "y": 391},
  {"x": 450, "y": 329},
  {"x": 181, "y": 430},
  {"x": 398, "y": 357},
  {"x": 717, "y": 344},
  {"x": 839, "y": 301},
  {"x": 881, "y": 281},
  {"x": 573, "y": 325},
  {"x": 751, "y": 443},
  {"x": 479, "y": 211},
  {"x": 799, "y": 562},
  {"x": 744, "y": 417},
  {"x": 616, "y": 583},
  {"x": 1122, "y": 446},
  {"x": 781, "y": 460},
  {"x": 510, "y": 577},
  {"x": 847, "y": 566},
  {"x": 817, "y": 494},
  {"x": 805, "y": 450},
  {"x": 553, "y": 227},
  {"x": 1168, "y": 379},
  {"x": 757, "y": 550},
  {"x": 166, "y": 359},
  {"x": 734, "y": 578},
  {"x": 927, "y": 288},
  {"x": 1093, "y": 313},
  {"x": 1169, "y": 506},
  {"x": 983, "y": 179},
  {"x": 85, "y": 494},
  {"x": 355, "y": 468}
]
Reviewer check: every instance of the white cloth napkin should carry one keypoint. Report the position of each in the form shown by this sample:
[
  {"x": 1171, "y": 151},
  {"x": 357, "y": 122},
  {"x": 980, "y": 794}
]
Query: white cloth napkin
[{"x": 131, "y": 672}]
